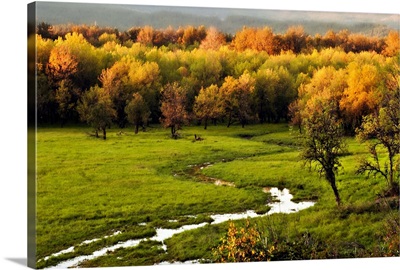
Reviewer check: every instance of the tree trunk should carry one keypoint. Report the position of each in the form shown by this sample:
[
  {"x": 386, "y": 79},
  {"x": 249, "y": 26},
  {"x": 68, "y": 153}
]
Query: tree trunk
[
  {"x": 393, "y": 184},
  {"x": 229, "y": 120},
  {"x": 391, "y": 180},
  {"x": 136, "y": 128},
  {"x": 205, "y": 123},
  {"x": 96, "y": 133},
  {"x": 173, "y": 131},
  {"x": 104, "y": 133},
  {"x": 330, "y": 176},
  {"x": 333, "y": 185}
]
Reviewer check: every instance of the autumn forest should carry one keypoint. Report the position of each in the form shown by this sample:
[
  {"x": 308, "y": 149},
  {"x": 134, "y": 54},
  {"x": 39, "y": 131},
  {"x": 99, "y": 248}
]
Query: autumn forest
[{"x": 250, "y": 77}]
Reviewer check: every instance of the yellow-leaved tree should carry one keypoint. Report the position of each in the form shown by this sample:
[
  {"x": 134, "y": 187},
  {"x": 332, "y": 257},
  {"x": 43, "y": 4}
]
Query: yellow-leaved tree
[
  {"x": 363, "y": 95},
  {"x": 237, "y": 95},
  {"x": 209, "y": 104}
]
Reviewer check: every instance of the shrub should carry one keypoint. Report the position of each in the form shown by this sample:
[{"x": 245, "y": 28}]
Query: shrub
[
  {"x": 392, "y": 237},
  {"x": 242, "y": 245}
]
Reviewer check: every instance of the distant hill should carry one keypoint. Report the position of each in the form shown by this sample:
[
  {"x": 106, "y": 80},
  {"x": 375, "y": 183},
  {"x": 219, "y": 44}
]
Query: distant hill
[{"x": 228, "y": 20}]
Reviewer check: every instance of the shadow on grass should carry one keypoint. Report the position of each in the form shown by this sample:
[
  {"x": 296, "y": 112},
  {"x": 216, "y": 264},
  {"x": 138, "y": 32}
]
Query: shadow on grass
[{"x": 382, "y": 204}]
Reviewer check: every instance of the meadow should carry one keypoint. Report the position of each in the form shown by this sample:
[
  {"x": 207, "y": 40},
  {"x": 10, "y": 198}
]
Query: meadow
[{"x": 88, "y": 188}]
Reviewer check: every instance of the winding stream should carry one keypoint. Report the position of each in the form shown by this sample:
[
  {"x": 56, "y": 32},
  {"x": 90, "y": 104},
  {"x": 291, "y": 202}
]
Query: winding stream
[{"x": 282, "y": 203}]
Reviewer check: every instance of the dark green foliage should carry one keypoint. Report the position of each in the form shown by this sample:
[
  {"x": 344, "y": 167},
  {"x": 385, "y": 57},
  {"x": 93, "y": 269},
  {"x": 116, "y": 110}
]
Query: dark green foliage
[
  {"x": 66, "y": 96},
  {"x": 137, "y": 112},
  {"x": 97, "y": 110},
  {"x": 45, "y": 30},
  {"x": 306, "y": 247}
]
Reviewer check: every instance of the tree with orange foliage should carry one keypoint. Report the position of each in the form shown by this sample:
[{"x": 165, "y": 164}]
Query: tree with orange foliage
[
  {"x": 392, "y": 43},
  {"x": 213, "y": 40},
  {"x": 243, "y": 38},
  {"x": 170, "y": 35},
  {"x": 264, "y": 40},
  {"x": 330, "y": 40},
  {"x": 173, "y": 102},
  {"x": 294, "y": 39},
  {"x": 191, "y": 35},
  {"x": 146, "y": 36},
  {"x": 62, "y": 64},
  {"x": 254, "y": 39},
  {"x": 61, "y": 67}
]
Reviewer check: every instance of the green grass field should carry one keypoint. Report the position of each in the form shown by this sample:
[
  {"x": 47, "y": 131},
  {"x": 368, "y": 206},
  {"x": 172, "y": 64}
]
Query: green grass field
[{"x": 89, "y": 188}]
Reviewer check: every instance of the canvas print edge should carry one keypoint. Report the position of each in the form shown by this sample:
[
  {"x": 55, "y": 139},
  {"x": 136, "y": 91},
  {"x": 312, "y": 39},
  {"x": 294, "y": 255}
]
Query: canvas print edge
[{"x": 31, "y": 160}]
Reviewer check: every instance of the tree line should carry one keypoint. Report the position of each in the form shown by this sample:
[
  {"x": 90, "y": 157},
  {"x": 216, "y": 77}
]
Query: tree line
[
  {"x": 295, "y": 38},
  {"x": 219, "y": 82}
]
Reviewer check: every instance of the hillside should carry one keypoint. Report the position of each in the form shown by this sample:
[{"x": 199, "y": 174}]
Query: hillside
[{"x": 227, "y": 20}]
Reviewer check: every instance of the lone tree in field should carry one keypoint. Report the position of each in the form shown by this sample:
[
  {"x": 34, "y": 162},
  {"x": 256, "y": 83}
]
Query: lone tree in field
[
  {"x": 137, "y": 111},
  {"x": 174, "y": 114},
  {"x": 96, "y": 108},
  {"x": 323, "y": 139},
  {"x": 381, "y": 131}
]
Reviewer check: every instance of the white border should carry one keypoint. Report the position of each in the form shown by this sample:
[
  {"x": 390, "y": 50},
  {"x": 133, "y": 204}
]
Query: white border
[{"x": 13, "y": 125}]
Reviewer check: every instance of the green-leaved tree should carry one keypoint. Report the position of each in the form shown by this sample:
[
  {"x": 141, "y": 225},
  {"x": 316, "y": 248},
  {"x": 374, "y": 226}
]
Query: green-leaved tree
[
  {"x": 137, "y": 111},
  {"x": 96, "y": 109},
  {"x": 323, "y": 139},
  {"x": 381, "y": 131}
]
